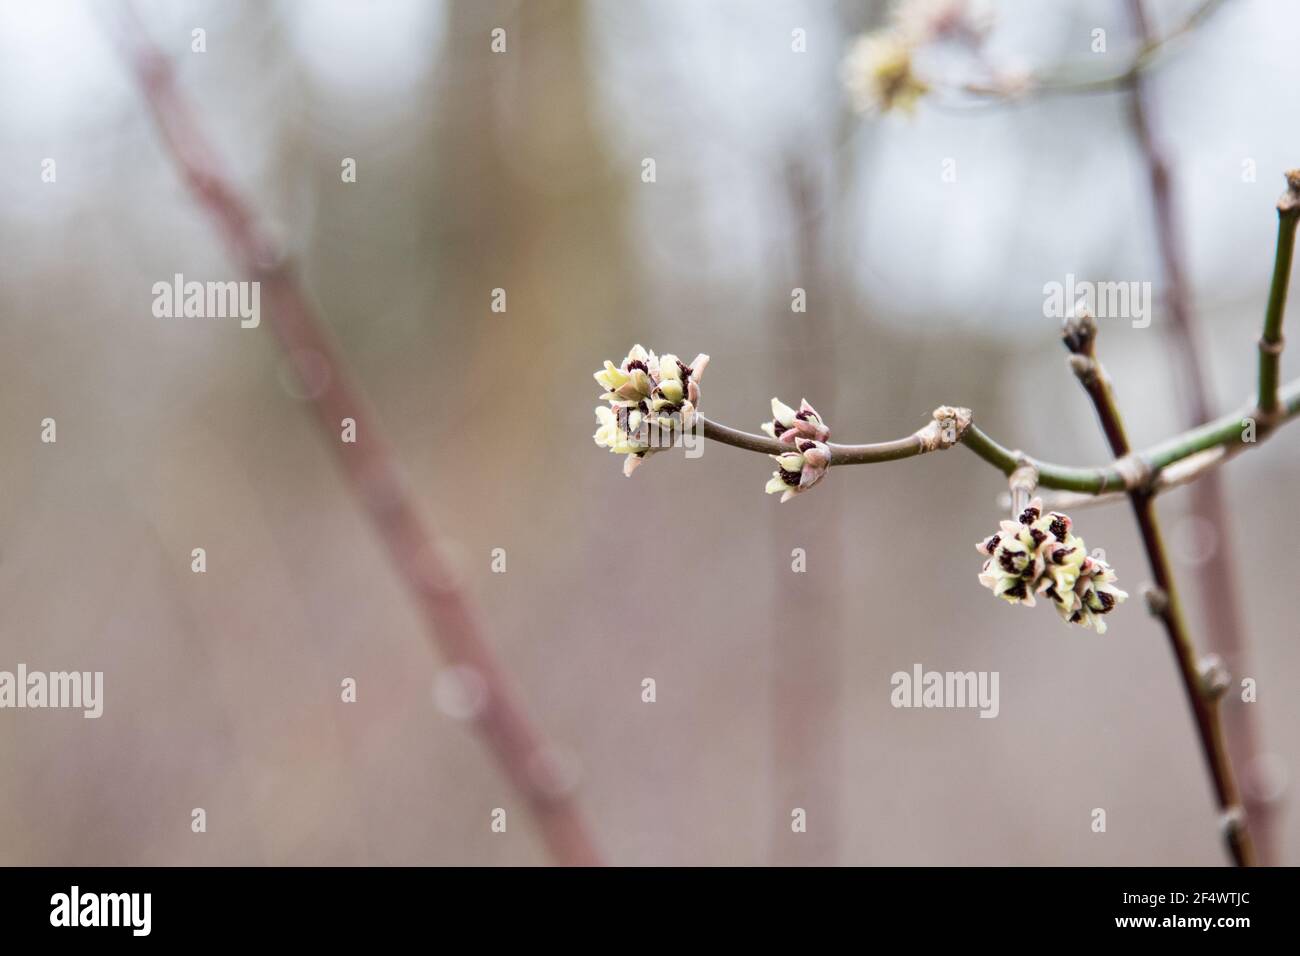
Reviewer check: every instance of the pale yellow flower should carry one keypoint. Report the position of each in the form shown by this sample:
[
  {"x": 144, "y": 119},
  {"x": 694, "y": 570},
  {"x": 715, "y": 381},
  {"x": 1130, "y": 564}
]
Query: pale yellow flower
[
  {"x": 1038, "y": 554},
  {"x": 879, "y": 75}
]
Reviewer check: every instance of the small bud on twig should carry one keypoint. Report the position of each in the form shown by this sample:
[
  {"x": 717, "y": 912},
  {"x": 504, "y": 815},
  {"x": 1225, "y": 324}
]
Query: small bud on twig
[
  {"x": 948, "y": 425},
  {"x": 1215, "y": 679},
  {"x": 1156, "y": 599},
  {"x": 1079, "y": 333},
  {"x": 1289, "y": 204}
]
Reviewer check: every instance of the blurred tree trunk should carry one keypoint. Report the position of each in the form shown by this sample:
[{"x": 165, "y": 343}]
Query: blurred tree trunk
[
  {"x": 527, "y": 205},
  {"x": 807, "y": 610}
]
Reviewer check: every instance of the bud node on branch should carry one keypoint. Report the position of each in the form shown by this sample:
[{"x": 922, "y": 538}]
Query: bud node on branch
[
  {"x": 1157, "y": 600},
  {"x": 1137, "y": 474},
  {"x": 947, "y": 428}
]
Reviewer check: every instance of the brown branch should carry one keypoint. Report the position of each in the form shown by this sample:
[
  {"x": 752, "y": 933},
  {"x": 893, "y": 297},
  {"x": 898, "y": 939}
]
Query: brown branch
[
  {"x": 1080, "y": 339},
  {"x": 369, "y": 467},
  {"x": 1218, "y": 574}
]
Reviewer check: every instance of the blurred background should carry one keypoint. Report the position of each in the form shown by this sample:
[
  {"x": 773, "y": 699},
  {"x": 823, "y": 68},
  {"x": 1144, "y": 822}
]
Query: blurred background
[{"x": 523, "y": 171}]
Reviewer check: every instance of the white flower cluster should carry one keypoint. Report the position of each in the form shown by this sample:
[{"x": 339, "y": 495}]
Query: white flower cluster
[
  {"x": 645, "y": 393},
  {"x": 1038, "y": 554}
]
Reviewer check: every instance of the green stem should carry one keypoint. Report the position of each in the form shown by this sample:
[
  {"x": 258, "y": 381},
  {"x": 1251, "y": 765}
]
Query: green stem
[
  {"x": 1227, "y": 432},
  {"x": 1270, "y": 343}
]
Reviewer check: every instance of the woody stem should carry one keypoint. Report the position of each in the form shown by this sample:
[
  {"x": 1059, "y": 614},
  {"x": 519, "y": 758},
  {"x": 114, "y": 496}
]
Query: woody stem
[
  {"x": 1164, "y": 603},
  {"x": 1225, "y": 432}
]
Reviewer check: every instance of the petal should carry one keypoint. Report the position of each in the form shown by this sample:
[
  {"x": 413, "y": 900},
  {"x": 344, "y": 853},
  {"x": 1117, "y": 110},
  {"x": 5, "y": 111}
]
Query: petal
[
  {"x": 671, "y": 389},
  {"x": 782, "y": 413},
  {"x": 810, "y": 476},
  {"x": 610, "y": 378},
  {"x": 817, "y": 455}
]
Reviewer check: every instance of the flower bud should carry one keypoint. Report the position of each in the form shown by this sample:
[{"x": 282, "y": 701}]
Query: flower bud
[
  {"x": 787, "y": 424},
  {"x": 798, "y": 470}
]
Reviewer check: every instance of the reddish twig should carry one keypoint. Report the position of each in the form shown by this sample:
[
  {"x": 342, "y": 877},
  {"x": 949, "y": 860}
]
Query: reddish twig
[
  {"x": 1217, "y": 575},
  {"x": 369, "y": 466},
  {"x": 1202, "y": 694}
]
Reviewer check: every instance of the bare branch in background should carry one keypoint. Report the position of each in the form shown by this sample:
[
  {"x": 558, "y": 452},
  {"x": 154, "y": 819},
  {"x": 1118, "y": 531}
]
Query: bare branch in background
[
  {"x": 369, "y": 466},
  {"x": 1218, "y": 575}
]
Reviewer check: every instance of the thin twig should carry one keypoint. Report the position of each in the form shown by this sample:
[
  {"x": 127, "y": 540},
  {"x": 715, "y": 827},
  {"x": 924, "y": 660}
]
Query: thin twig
[
  {"x": 1270, "y": 342},
  {"x": 1217, "y": 574},
  {"x": 368, "y": 465},
  {"x": 1180, "y": 473},
  {"x": 1075, "y": 81},
  {"x": 1164, "y": 602},
  {"x": 1207, "y": 445}
]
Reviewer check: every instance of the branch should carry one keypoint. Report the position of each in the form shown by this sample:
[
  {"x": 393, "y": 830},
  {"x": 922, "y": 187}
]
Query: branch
[
  {"x": 1201, "y": 693},
  {"x": 1270, "y": 343},
  {"x": 1175, "y": 461},
  {"x": 919, "y": 442},
  {"x": 1083, "y": 82},
  {"x": 1217, "y": 575},
  {"x": 369, "y": 467},
  {"x": 1179, "y": 473}
]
